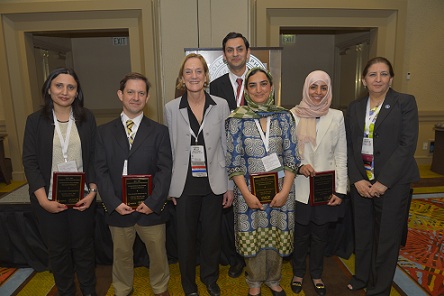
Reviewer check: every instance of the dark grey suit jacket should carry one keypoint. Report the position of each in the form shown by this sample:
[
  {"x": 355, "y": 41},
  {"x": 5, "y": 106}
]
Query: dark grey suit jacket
[
  {"x": 222, "y": 87},
  {"x": 37, "y": 149},
  {"x": 150, "y": 154},
  {"x": 394, "y": 143}
]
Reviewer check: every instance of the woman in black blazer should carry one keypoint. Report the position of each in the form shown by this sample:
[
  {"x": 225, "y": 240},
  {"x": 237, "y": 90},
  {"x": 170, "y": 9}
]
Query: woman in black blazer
[
  {"x": 382, "y": 132},
  {"x": 60, "y": 137}
]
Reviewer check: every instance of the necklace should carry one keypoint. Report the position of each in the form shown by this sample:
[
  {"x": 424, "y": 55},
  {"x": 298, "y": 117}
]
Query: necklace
[{"x": 63, "y": 121}]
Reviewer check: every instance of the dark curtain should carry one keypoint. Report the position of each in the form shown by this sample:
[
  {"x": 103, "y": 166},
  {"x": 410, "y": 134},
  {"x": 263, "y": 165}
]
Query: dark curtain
[{"x": 22, "y": 245}]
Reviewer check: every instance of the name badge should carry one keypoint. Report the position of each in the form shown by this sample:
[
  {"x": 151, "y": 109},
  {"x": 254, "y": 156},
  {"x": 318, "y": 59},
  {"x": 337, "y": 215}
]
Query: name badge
[
  {"x": 271, "y": 162},
  {"x": 367, "y": 146},
  {"x": 198, "y": 166}
]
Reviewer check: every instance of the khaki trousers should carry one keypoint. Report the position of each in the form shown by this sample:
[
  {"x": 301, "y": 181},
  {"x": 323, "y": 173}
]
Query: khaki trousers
[{"x": 154, "y": 238}]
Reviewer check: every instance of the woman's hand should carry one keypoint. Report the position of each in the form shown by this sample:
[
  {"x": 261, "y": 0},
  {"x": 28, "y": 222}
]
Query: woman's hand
[
  {"x": 334, "y": 201},
  {"x": 377, "y": 189},
  {"x": 253, "y": 202},
  {"x": 228, "y": 199},
  {"x": 281, "y": 197},
  {"x": 363, "y": 187},
  {"x": 279, "y": 200},
  {"x": 307, "y": 170},
  {"x": 85, "y": 202},
  {"x": 53, "y": 206},
  {"x": 49, "y": 205}
]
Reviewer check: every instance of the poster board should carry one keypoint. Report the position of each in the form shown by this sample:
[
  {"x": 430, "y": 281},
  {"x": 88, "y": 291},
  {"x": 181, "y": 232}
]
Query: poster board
[{"x": 264, "y": 57}]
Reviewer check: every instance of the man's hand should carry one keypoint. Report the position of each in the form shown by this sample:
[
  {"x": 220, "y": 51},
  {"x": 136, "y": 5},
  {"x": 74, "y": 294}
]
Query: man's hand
[
  {"x": 123, "y": 209},
  {"x": 144, "y": 209}
]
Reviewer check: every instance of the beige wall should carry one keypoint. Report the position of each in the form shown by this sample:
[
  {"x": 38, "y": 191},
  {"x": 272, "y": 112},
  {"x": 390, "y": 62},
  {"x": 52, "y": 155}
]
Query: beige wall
[
  {"x": 192, "y": 24},
  {"x": 160, "y": 29},
  {"x": 424, "y": 48},
  {"x": 297, "y": 66}
]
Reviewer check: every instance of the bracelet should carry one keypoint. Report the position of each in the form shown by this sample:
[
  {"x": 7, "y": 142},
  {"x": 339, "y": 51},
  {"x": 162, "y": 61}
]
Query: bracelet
[{"x": 298, "y": 172}]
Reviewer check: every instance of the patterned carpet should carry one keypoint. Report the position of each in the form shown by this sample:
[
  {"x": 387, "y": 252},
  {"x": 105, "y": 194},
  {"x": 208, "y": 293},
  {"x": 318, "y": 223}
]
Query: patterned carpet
[
  {"x": 336, "y": 277},
  {"x": 423, "y": 256},
  {"x": 5, "y": 274}
]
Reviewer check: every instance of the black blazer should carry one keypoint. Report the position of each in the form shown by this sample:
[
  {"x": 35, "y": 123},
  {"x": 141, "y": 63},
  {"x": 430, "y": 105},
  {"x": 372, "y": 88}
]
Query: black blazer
[
  {"x": 150, "y": 154},
  {"x": 222, "y": 87},
  {"x": 394, "y": 140},
  {"x": 37, "y": 149}
]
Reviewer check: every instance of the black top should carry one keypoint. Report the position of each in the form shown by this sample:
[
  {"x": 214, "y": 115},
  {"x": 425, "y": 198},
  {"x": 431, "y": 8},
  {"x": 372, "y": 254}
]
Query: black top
[{"x": 196, "y": 185}]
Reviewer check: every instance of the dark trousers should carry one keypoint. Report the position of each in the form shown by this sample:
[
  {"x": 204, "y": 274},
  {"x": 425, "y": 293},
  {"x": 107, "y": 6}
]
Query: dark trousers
[
  {"x": 194, "y": 213},
  {"x": 309, "y": 238},
  {"x": 379, "y": 224},
  {"x": 69, "y": 236},
  {"x": 229, "y": 254}
]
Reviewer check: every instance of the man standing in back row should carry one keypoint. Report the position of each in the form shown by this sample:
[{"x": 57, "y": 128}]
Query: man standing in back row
[{"x": 230, "y": 86}]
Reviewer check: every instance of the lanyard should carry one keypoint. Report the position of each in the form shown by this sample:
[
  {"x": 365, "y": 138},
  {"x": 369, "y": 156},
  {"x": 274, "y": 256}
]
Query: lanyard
[
  {"x": 63, "y": 142},
  {"x": 370, "y": 117},
  {"x": 198, "y": 133},
  {"x": 265, "y": 137}
]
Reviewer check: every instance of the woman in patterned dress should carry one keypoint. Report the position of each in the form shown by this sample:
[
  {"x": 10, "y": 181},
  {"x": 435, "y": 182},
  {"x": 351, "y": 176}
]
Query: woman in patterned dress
[{"x": 261, "y": 139}]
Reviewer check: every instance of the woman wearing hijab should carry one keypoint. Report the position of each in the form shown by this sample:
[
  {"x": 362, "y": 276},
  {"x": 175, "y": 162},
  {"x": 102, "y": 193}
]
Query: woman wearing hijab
[
  {"x": 261, "y": 140},
  {"x": 320, "y": 131}
]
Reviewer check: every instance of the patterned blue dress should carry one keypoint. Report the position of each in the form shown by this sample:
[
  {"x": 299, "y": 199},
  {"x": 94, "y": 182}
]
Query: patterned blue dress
[{"x": 272, "y": 228}]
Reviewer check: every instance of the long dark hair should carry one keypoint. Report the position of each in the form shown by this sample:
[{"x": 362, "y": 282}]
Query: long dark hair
[{"x": 77, "y": 104}]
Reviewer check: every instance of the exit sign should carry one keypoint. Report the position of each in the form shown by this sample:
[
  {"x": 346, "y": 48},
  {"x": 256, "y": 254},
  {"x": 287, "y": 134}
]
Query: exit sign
[
  {"x": 120, "y": 41},
  {"x": 288, "y": 38}
]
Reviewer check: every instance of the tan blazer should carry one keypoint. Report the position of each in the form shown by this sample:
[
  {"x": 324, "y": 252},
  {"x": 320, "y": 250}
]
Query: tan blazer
[
  {"x": 215, "y": 144},
  {"x": 330, "y": 153}
]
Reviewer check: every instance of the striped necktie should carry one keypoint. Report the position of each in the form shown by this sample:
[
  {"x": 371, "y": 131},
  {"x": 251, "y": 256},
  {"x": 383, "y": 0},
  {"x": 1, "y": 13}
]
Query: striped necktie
[
  {"x": 239, "y": 86},
  {"x": 129, "y": 130}
]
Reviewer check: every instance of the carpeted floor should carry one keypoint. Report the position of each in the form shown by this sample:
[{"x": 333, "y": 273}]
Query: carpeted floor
[
  {"x": 422, "y": 259},
  {"x": 430, "y": 182},
  {"x": 336, "y": 278}
]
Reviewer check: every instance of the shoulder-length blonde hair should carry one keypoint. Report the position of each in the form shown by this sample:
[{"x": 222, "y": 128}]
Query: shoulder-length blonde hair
[{"x": 180, "y": 84}]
